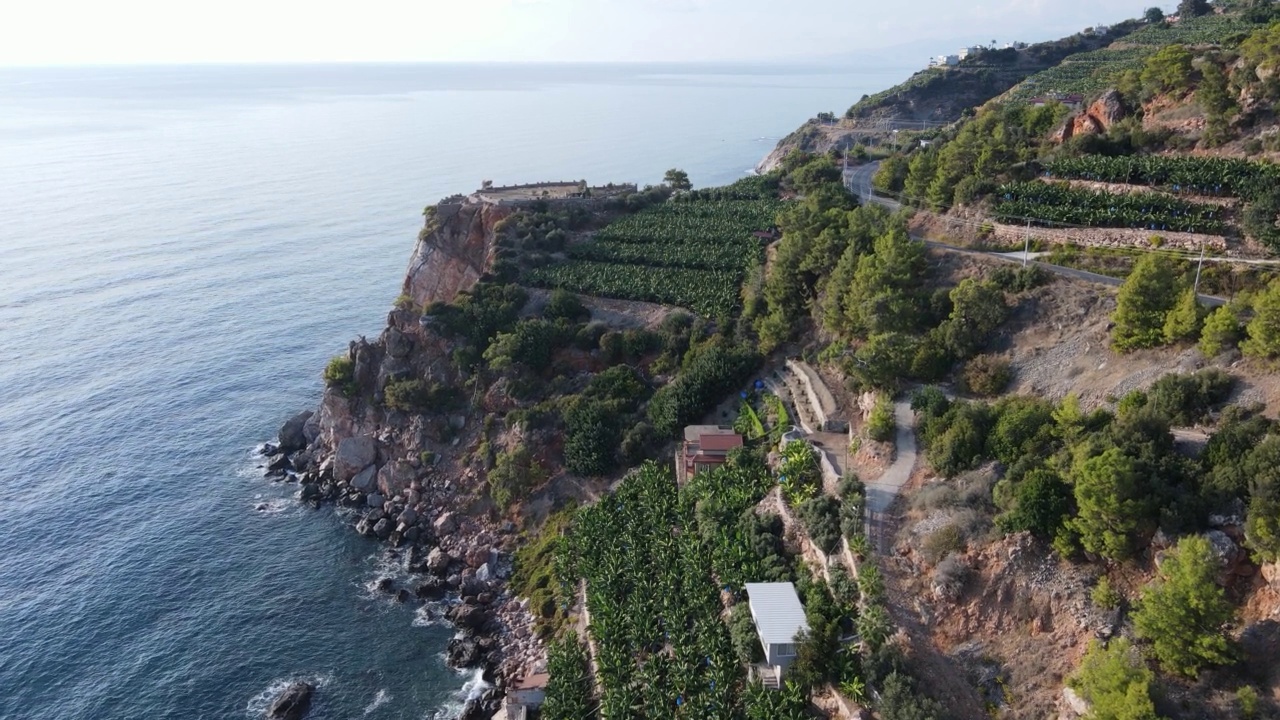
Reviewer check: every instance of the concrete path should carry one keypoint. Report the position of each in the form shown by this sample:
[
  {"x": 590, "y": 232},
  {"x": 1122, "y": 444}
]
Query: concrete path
[{"x": 884, "y": 490}]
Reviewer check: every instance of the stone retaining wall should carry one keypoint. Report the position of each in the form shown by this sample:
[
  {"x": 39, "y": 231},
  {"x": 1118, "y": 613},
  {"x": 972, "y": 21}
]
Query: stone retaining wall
[{"x": 1012, "y": 235}]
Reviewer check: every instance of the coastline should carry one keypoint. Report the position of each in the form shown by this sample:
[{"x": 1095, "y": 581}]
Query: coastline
[{"x": 455, "y": 568}]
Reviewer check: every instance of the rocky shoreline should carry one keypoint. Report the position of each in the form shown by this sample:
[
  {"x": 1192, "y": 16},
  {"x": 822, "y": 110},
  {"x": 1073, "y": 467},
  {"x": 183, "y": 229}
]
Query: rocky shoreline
[{"x": 458, "y": 563}]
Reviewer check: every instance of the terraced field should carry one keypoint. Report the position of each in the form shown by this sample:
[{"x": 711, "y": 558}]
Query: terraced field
[
  {"x": 1093, "y": 72},
  {"x": 692, "y": 252}
]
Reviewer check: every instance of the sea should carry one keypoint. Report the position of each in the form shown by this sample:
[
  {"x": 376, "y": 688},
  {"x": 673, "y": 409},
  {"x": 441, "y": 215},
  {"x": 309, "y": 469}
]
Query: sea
[{"x": 181, "y": 250}]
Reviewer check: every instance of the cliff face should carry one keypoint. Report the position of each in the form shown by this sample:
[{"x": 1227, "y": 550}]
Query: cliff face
[
  {"x": 453, "y": 250},
  {"x": 411, "y": 478}
]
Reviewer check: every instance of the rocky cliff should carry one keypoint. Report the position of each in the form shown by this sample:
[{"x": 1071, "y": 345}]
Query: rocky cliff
[
  {"x": 408, "y": 476},
  {"x": 454, "y": 250}
]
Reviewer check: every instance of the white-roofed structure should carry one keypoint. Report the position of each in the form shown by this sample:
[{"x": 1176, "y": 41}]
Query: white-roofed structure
[{"x": 779, "y": 618}]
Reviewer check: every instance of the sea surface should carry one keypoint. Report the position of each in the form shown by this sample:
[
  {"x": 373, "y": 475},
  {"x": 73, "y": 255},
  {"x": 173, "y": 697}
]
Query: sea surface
[{"x": 181, "y": 250}]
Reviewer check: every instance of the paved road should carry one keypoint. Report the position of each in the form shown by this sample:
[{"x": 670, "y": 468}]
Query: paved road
[{"x": 858, "y": 180}]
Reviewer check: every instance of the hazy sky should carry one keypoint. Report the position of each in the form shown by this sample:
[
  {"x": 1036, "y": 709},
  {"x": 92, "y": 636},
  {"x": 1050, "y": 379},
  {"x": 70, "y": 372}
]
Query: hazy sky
[{"x": 43, "y": 32}]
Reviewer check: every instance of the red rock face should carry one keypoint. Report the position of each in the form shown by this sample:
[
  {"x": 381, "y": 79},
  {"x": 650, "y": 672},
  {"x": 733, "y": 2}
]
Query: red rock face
[
  {"x": 1097, "y": 120},
  {"x": 453, "y": 252}
]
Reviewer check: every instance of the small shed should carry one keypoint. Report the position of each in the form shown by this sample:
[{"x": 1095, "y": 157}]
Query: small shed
[
  {"x": 530, "y": 690},
  {"x": 779, "y": 618}
]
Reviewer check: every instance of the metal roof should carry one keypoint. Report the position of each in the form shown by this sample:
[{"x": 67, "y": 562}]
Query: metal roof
[{"x": 777, "y": 611}]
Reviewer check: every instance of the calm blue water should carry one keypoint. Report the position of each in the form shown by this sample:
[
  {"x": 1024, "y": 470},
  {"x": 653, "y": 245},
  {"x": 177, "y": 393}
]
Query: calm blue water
[{"x": 181, "y": 249}]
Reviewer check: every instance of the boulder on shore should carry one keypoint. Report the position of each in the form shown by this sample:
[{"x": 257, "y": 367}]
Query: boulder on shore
[
  {"x": 353, "y": 455},
  {"x": 462, "y": 653},
  {"x": 469, "y": 616},
  {"x": 364, "y": 481},
  {"x": 292, "y": 703},
  {"x": 438, "y": 561},
  {"x": 292, "y": 434},
  {"x": 445, "y": 524}
]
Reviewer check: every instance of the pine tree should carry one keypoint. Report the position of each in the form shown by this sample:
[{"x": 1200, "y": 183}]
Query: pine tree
[
  {"x": 1264, "y": 329},
  {"x": 1115, "y": 683},
  {"x": 1144, "y": 303},
  {"x": 1182, "y": 612},
  {"x": 1183, "y": 321},
  {"x": 1221, "y": 330},
  {"x": 1111, "y": 502}
]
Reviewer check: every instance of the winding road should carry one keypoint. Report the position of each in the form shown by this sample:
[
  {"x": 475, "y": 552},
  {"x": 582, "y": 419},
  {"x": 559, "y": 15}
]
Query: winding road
[{"x": 858, "y": 180}]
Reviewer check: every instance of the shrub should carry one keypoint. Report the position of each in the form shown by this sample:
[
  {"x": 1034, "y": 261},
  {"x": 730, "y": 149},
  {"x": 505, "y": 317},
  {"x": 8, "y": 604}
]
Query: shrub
[
  {"x": 714, "y": 373},
  {"x": 987, "y": 375},
  {"x": 1043, "y": 502},
  {"x": 900, "y": 700},
  {"x": 564, "y": 305},
  {"x": 1187, "y": 399},
  {"x": 621, "y": 384},
  {"x": 406, "y": 395},
  {"x": 1105, "y": 596},
  {"x": 591, "y": 438},
  {"x": 1247, "y": 698},
  {"x": 978, "y": 309},
  {"x": 1024, "y": 426},
  {"x": 951, "y": 573},
  {"x": 340, "y": 373},
  {"x": 821, "y": 518},
  {"x": 419, "y": 396},
  {"x": 514, "y": 473},
  {"x": 742, "y": 632},
  {"x": 880, "y": 426},
  {"x": 942, "y": 542}
]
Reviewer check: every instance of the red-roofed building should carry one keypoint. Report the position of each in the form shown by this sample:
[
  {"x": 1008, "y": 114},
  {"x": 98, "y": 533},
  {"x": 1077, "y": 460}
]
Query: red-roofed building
[{"x": 705, "y": 447}]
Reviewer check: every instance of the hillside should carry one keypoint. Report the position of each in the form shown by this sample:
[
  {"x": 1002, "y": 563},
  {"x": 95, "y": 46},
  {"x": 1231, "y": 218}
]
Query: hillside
[
  {"x": 996, "y": 491},
  {"x": 938, "y": 96}
]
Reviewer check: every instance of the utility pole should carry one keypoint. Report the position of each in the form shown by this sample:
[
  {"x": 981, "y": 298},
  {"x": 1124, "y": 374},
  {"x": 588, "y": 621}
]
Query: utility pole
[
  {"x": 1199, "y": 267},
  {"x": 1026, "y": 246}
]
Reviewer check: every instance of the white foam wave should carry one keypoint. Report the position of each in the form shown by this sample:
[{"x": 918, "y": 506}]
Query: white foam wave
[
  {"x": 387, "y": 565},
  {"x": 382, "y": 697},
  {"x": 271, "y": 506},
  {"x": 430, "y": 615},
  {"x": 472, "y": 689},
  {"x": 258, "y": 704}
]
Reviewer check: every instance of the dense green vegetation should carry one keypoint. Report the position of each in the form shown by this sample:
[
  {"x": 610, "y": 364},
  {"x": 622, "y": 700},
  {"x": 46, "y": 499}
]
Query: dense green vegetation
[
  {"x": 1098, "y": 482},
  {"x": 569, "y": 691},
  {"x": 1092, "y": 72},
  {"x": 709, "y": 292}
]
